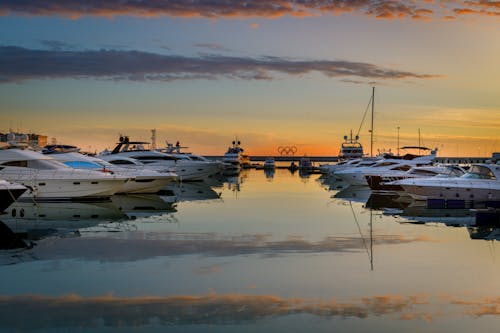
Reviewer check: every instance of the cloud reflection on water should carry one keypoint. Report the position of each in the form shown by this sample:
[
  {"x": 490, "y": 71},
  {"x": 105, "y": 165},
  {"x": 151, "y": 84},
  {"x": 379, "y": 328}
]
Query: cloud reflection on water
[
  {"x": 111, "y": 311},
  {"x": 135, "y": 245}
]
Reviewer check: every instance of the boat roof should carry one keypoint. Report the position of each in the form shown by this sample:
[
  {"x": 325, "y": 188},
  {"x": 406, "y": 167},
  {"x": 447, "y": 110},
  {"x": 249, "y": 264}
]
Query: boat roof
[
  {"x": 21, "y": 155},
  {"x": 415, "y": 147}
]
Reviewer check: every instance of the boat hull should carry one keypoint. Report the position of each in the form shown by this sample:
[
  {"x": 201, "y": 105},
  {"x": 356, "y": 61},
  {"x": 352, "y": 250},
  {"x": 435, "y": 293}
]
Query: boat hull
[
  {"x": 9, "y": 196},
  {"x": 451, "y": 192}
]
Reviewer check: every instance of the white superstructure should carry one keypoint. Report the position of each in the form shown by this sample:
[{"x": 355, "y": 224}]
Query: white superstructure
[
  {"x": 480, "y": 183},
  {"x": 46, "y": 178},
  {"x": 356, "y": 176},
  {"x": 186, "y": 169},
  {"x": 141, "y": 180}
]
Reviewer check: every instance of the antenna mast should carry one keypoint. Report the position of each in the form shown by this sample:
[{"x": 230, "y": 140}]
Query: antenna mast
[
  {"x": 153, "y": 139},
  {"x": 371, "y": 130},
  {"x": 419, "y": 144}
]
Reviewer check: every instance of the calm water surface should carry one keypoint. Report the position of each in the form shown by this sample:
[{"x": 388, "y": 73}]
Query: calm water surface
[{"x": 255, "y": 252}]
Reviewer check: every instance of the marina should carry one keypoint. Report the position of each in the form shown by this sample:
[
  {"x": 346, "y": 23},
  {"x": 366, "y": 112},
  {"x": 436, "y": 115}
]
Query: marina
[
  {"x": 224, "y": 254},
  {"x": 249, "y": 166}
]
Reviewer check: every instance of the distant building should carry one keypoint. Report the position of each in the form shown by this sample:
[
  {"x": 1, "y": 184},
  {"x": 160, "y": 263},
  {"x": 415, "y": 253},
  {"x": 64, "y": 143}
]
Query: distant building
[{"x": 34, "y": 140}]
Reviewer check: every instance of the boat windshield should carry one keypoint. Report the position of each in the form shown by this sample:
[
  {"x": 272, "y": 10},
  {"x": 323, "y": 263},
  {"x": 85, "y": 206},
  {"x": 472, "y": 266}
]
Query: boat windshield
[
  {"x": 122, "y": 162},
  {"x": 402, "y": 168},
  {"x": 150, "y": 158},
  {"x": 479, "y": 172},
  {"x": 46, "y": 165},
  {"x": 384, "y": 164},
  {"x": 366, "y": 164},
  {"x": 423, "y": 172},
  {"x": 197, "y": 158}
]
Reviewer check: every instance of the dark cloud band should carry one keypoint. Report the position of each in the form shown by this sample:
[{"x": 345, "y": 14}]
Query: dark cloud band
[
  {"x": 386, "y": 9},
  {"x": 18, "y": 64}
]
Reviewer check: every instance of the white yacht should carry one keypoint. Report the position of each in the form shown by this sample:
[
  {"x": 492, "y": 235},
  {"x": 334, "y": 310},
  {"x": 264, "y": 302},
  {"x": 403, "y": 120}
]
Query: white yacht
[
  {"x": 46, "y": 178},
  {"x": 382, "y": 181},
  {"x": 269, "y": 163},
  {"x": 480, "y": 183},
  {"x": 186, "y": 169},
  {"x": 305, "y": 164},
  {"x": 9, "y": 192},
  {"x": 356, "y": 176},
  {"x": 351, "y": 148},
  {"x": 331, "y": 170},
  {"x": 215, "y": 166},
  {"x": 141, "y": 180},
  {"x": 233, "y": 158}
]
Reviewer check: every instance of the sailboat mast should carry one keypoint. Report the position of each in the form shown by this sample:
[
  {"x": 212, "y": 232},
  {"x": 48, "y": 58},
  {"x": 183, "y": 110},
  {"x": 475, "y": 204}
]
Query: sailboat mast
[
  {"x": 419, "y": 144},
  {"x": 371, "y": 130},
  {"x": 371, "y": 239}
]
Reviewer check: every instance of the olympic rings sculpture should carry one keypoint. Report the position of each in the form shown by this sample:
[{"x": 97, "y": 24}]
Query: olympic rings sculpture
[{"x": 287, "y": 150}]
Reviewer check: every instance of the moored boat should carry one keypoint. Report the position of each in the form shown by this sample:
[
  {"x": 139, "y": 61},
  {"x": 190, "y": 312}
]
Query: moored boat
[
  {"x": 480, "y": 183},
  {"x": 48, "y": 179}
]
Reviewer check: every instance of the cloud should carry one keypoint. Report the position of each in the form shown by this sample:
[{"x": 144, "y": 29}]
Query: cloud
[
  {"x": 18, "y": 64},
  {"x": 381, "y": 9},
  {"x": 56, "y": 45},
  {"x": 212, "y": 46}
]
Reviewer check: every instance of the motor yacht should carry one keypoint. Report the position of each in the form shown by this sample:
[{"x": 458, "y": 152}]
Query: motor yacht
[
  {"x": 382, "y": 180},
  {"x": 186, "y": 169},
  {"x": 141, "y": 180},
  {"x": 350, "y": 148},
  {"x": 305, "y": 164},
  {"x": 215, "y": 166},
  {"x": 233, "y": 157},
  {"x": 356, "y": 176},
  {"x": 331, "y": 170},
  {"x": 9, "y": 192},
  {"x": 269, "y": 163},
  {"x": 46, "y": 178},
  {"x": 480, "y": 183}
]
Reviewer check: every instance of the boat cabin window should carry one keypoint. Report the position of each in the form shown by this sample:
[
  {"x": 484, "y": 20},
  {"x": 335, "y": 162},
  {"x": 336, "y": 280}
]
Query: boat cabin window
[
  {"x": 402, "y": 168},
  {"x": 366, "y": 164},
  {"x": 155, "y": 158},
  {"x": 183, "y": 157},
  {"x": 122, "y": 162},
  {"x": 479, "y": 172},
  {"x": 197, "y": 158},
  {"x": 455, "y": 172},
  {"x": 21, "y": 164},
  {"x": 384, "y": 164},
  {"x": 423, "y": 172}
]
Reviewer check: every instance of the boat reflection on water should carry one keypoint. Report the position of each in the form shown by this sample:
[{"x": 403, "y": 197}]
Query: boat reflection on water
[
  {"x": 420, "y": 214},
  {"x": 485, "y": 233},
  {"x": 332, "y": 184},
  {"x": 384, "y": 201},
  {"x": 234, "y": 183},
  {"x": 408, "y": 211},
  {"x": 10, "y": 240},
  {"x": 143, "y": 205},
  {"x": 354, "y": 193},
  {"x": 26, "y": 222},
  {"x": 269, "y": 173},
  {"x": 24, "y": 215},
  {"x": 198, "y": 191}
]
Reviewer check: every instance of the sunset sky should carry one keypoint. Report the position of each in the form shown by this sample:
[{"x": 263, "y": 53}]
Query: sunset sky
[{"x": 271, "y": 73}]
